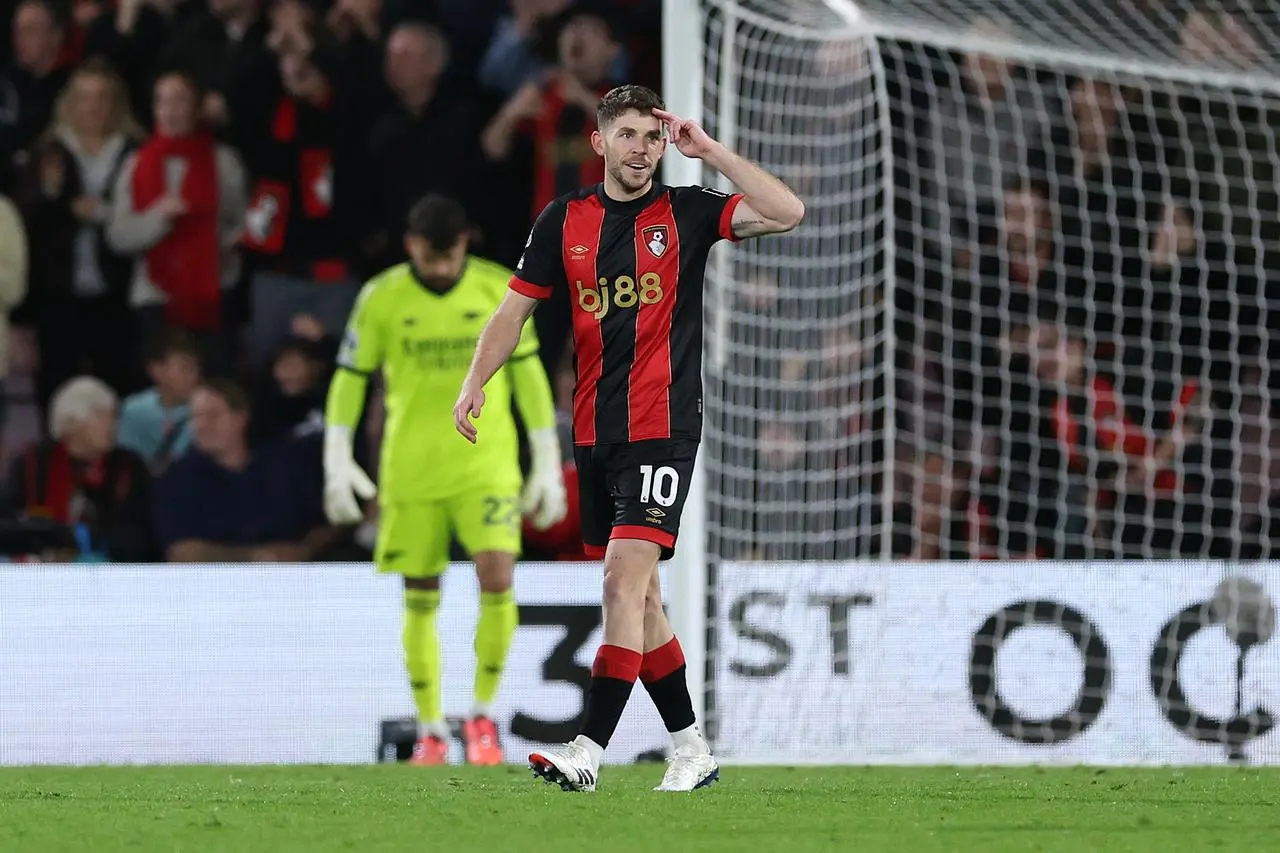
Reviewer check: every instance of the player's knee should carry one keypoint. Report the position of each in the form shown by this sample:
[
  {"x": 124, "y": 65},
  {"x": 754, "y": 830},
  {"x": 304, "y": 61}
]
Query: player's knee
[
  {"x": 627, "y": 571},
  {"x": 422, "y": 583},
  {"x": 494, "y": 570},
  {"x": 623, "y": 592}
]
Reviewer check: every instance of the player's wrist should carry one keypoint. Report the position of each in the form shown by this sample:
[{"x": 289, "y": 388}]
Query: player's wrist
[
  {"x": 544, "y": 449},
  {"x": 717, "y": 155},
  {"x": 338, "y": 446}
]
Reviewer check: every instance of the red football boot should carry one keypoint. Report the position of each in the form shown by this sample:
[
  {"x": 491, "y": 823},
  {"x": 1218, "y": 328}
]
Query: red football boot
[
  {"x": 430, "y": 751},
  {"x": 481, "y": 737}
]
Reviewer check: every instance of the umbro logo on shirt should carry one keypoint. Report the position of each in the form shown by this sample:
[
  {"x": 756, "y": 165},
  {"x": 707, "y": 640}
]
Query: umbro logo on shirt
[
  {"x": 578, "y": 252},
  {"x": 471, "y": 315},
  {"x": 410, "y": 321}
]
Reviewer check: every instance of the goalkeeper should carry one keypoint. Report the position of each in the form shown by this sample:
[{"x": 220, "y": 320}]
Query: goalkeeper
[{"x": 418, "y": 322}]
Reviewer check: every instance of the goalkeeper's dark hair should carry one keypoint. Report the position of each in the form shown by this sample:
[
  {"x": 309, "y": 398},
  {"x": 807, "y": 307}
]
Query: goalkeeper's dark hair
[
  {"x": 439, "y": 220},
  {"x": 623, "y": 98}
]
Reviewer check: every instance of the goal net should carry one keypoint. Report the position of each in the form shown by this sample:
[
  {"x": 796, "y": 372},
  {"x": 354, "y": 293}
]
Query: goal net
[{"x": 1027, "y": 318}]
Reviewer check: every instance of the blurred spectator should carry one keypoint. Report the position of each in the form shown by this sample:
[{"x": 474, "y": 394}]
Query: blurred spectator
[
  {"x": 130, "y": 34},
  {"x": 155, "y": 423},
  {"x": 512, "y": 59},
  {"x": 222, "y": 50},
  {"x": 179, "y": 205},
  {"x": 348, "y": 19},
  {"x": 1118, "y": 234},
  {"x": 425, "y": 144},
  {"x": 225, "y": 502},
  {"x": 290, "y": 397},
  {"x": 936, "y": 522},
  {"x": 13, "y": 280},
  {"x": 80, "y": 477},
  {"x": 559, "y": 110},
  {"x": 39, "y": 31},
  {"x": 79, "y": 302},
  {"x": 985, "y": 127},
  {"x": 301, "y": 147},
  {"x": 515, "y": 56}
]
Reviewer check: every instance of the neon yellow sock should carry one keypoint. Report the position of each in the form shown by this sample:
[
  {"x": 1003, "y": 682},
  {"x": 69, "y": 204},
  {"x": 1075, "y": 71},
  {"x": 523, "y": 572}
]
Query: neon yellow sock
[
  {"x": 497, "y": 626},
  {"x": 422, "y": 655}
]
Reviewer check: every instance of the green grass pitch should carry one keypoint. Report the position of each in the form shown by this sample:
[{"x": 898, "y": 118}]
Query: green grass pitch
[{"x": 793, "y": 810}]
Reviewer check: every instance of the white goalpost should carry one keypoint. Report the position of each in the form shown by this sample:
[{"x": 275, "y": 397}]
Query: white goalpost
[{"x": 987, "y": 456}]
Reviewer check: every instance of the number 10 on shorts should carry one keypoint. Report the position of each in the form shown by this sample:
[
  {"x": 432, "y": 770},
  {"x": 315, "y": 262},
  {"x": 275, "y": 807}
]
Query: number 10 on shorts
[{"x": 658, "y": 485}]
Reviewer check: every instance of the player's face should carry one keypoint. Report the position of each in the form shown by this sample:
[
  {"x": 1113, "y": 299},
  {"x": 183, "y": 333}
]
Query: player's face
[
  {"x": 631, "y": 146},
  {"x": 439, "y": 269}
]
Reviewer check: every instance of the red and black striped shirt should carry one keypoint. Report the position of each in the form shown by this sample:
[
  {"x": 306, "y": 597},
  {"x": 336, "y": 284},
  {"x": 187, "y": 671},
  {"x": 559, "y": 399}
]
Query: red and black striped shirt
[{"x": 635, "y": 272}]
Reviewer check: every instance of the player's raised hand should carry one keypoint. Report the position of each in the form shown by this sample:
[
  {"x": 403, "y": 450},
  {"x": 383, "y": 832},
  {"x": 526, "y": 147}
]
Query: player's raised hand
[
  {"x": 686, "y": 135},
  {"x": 469, "y": 404}
]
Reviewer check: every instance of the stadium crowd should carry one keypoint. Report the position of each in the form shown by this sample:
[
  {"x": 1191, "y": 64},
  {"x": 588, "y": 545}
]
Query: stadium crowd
[
  {"x": 1089, "y": 295},
  {"x": 1083, "y": 265},
  {"x": 193, "y": 193},
  {"x": 1079, "y": 324}
]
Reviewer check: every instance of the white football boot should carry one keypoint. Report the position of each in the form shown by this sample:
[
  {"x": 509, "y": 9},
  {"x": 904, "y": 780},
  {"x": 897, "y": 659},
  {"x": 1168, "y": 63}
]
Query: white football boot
[
  {"x": 568, "y": 765},
  {"x": 689, "y": 768}
]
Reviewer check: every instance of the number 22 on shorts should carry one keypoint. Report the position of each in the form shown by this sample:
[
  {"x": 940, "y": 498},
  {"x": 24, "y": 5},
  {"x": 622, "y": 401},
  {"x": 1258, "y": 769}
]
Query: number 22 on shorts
[{"x": 659, "y": 485}]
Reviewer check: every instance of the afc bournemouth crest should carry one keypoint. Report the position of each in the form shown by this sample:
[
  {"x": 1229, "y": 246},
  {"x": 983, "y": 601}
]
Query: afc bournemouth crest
[{"x": 656, "y": 239}]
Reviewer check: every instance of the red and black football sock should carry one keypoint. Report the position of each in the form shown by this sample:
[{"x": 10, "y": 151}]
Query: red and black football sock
[
  {"x": 663, "y": 673},
  {"x": 613, "y": 675}
]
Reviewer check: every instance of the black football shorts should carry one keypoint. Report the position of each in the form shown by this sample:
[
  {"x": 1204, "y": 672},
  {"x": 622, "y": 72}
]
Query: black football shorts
[{"x": 634, "y": 491}]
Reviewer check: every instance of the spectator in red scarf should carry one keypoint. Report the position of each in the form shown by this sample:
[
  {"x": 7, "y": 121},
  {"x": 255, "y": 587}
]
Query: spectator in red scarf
[
  {"x": 179, "y": 206},
  {"x": 80, "y": 476},
  {"x": 301, "y": 139}
]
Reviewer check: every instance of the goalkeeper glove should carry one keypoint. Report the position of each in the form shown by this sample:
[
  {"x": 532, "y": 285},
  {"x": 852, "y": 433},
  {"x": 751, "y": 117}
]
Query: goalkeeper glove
[
  {"x": 544, "y": 498},
  {"x": 343, "y": 479}
]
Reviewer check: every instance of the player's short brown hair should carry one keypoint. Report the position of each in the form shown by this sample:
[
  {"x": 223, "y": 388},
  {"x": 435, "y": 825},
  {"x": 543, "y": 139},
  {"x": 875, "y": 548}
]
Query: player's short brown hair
[{"x": 623, "y": 98}]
